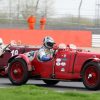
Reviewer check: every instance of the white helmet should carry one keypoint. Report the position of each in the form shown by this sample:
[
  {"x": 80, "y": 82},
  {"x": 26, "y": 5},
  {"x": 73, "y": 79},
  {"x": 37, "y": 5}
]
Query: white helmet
[
  {"x": 48, "y": 42},
  {"x": 1, "y": 41}
]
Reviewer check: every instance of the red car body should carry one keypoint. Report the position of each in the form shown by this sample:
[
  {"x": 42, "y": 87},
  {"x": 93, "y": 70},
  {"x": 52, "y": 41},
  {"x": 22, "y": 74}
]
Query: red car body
[
  {"x": 14, "y": 50},
  {"x": 67, "y": 64}
]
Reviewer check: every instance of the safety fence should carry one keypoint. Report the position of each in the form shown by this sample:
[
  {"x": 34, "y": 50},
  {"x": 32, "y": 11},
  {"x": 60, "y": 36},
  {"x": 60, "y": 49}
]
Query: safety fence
[
  {"x": 96, "y": 40},
  {"x": 35, "y": 37}
]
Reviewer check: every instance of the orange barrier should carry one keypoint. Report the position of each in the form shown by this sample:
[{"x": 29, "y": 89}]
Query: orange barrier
[{"x": 34, "y": 37}]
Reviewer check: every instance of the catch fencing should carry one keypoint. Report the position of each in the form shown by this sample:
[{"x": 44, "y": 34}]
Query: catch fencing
[{"x": 95, "y": 40}]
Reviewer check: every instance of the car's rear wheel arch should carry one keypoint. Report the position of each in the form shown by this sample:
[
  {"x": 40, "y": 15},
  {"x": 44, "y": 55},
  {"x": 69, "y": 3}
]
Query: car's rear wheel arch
[
  {"x": 84, "y": 65},
  {"x": 90, "y": 75}
]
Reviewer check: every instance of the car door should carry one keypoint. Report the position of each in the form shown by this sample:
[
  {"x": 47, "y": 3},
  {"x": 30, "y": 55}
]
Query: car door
[{"x": 62, "y": 64}]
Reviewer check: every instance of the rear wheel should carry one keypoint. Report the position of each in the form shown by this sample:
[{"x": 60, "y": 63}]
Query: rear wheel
[
  {"x": 91, "y": 75},
  {"x": 18, "y": 72},
  {"x": 51, "y": 82}
]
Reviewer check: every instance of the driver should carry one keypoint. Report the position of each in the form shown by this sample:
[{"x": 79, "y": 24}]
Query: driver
[
  {"x": 1, "y": 46},
  {"x": 46, "y": 52}
]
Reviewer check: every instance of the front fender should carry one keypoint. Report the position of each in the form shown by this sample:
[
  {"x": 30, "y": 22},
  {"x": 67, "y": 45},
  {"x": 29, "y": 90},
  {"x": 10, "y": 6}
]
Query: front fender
[
  {"x": 27, "y": 61},
  {"x": 25, "y": 58}
]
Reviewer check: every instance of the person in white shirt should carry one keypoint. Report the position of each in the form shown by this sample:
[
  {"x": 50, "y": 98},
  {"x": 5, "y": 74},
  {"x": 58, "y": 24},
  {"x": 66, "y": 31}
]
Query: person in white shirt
[{"x": 3, "y": 46}]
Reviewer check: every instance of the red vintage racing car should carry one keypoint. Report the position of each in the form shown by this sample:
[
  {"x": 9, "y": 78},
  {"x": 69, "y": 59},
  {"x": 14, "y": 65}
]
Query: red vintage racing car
[
  {"x": 14, "y": 49},
  {"x": 68, "y": 64}
]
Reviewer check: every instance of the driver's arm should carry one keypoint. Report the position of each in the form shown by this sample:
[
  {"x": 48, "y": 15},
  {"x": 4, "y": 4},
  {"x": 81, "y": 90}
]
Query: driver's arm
[{"x": 43, "y": 56}]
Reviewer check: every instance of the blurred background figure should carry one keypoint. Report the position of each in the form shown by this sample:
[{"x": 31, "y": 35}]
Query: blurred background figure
[
  {"x": 31, "y": 22},
  {"x": 42, "y": 22},
  {"x": 1, "y": 44},
  {"x": 2, "y": 47}
]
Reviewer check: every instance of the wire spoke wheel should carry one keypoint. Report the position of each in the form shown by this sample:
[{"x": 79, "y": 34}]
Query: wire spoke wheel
[
  {"x": 18, "y": 72},
  {"x": 91, "y": 75},
  {"x": 51, "y": 82}
]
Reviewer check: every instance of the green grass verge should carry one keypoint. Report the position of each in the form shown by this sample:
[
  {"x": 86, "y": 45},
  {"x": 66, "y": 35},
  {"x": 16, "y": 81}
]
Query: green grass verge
[{"x": 31, "y": 92}]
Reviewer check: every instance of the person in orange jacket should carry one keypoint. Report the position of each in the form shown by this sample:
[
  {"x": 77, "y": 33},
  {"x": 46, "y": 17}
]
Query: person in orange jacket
[
  {"x": 42, "y": 23},
  {"x": 31, "y": 22}
]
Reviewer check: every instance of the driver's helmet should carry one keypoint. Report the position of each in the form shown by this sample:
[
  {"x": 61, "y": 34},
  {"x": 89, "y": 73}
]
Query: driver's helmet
[
  {"x": 1, "y": 41},
  {"x": 48, "y": 42}
]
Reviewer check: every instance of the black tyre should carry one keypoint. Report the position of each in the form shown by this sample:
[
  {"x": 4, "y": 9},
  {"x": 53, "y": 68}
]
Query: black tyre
[
  {"x": 18, "y": 72},
  {"x": 51, "y": 82},
  {"x": 91, "y": 75}
]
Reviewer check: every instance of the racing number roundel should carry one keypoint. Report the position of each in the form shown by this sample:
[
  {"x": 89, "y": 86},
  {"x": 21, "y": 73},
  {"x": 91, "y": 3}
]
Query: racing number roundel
[{"x": 14, "y": 52}]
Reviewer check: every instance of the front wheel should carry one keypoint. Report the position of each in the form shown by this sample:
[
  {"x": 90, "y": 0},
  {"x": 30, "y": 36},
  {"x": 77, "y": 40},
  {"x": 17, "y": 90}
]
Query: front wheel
[
  {"x": 91, "y": 75},
  {"x": 18, "y": 72},
  {"x": 51, "y": 82}
]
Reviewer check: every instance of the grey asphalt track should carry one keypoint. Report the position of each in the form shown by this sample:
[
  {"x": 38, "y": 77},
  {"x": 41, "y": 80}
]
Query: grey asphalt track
[{"x": 61, "y": 86}]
